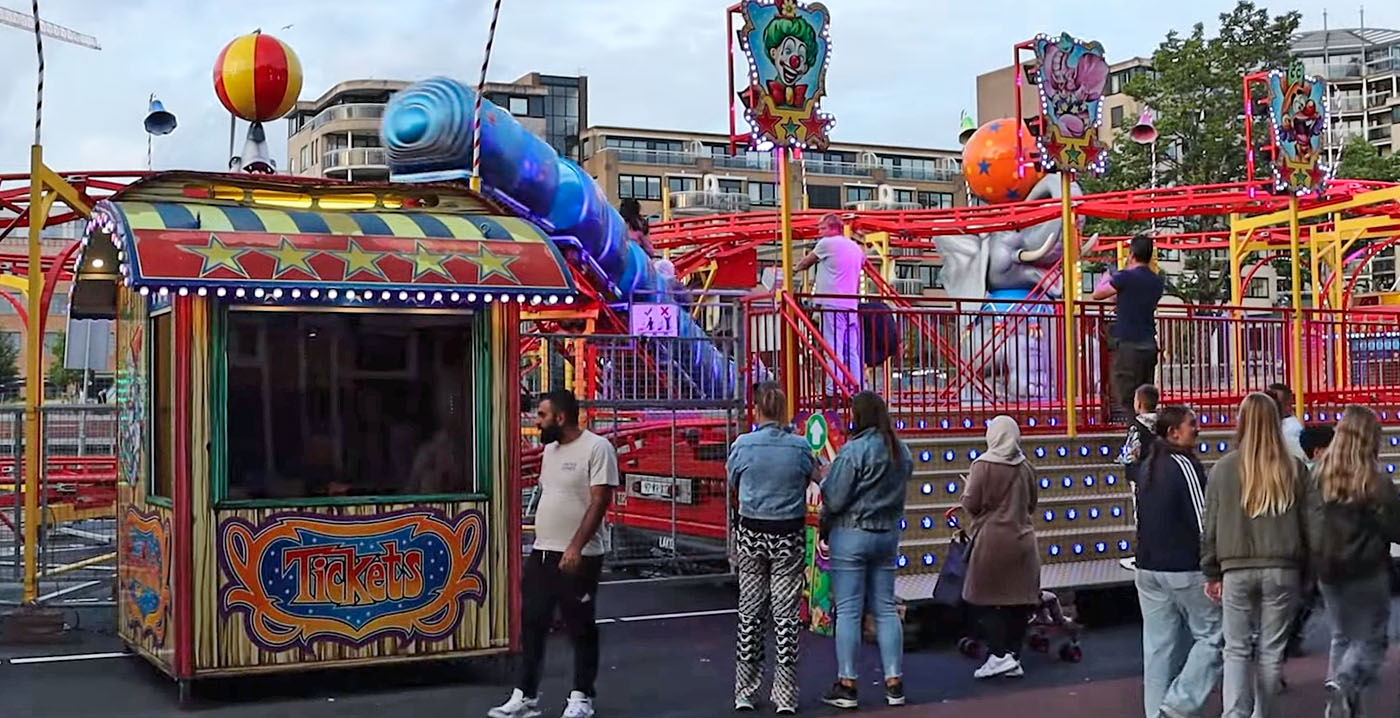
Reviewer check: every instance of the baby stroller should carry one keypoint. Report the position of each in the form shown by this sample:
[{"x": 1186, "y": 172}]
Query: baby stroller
[{"x": 1047, "y": 622}]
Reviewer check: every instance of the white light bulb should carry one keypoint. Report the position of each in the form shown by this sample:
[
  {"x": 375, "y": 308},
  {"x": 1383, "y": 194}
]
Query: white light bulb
[
  {"x": 239, "y": 292},
  {"x": 221, "y": 291},
  {"x": 276, "y": 294}
]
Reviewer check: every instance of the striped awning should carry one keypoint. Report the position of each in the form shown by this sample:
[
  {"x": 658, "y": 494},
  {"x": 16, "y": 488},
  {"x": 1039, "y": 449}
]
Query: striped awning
[{"x": 198, "y": 244}]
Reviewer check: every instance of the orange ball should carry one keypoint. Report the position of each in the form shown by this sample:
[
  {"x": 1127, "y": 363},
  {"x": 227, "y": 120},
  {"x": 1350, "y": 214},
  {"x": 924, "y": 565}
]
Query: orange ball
[{"x": 989, "y": 162}]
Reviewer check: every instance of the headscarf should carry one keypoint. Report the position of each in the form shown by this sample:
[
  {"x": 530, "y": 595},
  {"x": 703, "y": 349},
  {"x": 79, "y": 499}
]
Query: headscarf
[{"x": 1003, "y": 442}]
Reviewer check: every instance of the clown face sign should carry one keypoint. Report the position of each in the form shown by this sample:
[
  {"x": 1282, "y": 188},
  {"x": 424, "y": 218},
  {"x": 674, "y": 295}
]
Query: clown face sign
[
  {"x": 1298, "y": 112},
  {"x": 787, "y": 48}
]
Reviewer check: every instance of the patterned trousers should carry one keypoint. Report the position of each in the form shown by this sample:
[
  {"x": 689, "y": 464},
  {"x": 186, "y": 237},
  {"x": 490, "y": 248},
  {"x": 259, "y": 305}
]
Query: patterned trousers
[{"x": 770, "y": 584}]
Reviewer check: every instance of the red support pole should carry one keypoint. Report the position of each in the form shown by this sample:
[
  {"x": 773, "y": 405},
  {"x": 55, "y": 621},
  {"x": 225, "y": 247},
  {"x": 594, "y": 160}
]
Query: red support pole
[{"x": 182, "y": 603}]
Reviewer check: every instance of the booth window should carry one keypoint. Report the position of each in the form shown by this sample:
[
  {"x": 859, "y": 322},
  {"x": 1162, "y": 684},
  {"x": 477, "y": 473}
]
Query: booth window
[
  {"x": 162, "y": 379},
  {"x": 326, "y": 404}
]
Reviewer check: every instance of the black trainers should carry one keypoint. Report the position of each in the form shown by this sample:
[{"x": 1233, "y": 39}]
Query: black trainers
[
  {"x": 894, "y": 693},
  {"x": 841, "y": 696}
]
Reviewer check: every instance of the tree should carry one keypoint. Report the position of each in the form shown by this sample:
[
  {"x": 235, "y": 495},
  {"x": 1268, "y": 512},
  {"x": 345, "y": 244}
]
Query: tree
[
  {"x": 1195, "y": 91},
  {"x": 9, "y": 360},
  {"x": 1360, "y": 160},
  {"x": 60, "y": 376}
]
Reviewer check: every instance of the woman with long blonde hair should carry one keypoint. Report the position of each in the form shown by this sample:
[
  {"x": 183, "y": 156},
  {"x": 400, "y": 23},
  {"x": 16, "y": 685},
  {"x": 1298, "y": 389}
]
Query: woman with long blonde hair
[
  {"x": 1360, "y": 519},
  {"x": 1263, "y": 513}
]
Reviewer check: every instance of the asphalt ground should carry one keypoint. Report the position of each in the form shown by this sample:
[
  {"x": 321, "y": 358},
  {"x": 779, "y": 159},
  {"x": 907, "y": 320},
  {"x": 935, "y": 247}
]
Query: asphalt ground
[{"x": 667, "y": 652}]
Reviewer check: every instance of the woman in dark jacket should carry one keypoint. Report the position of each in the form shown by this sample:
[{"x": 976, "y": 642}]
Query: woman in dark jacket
[
  {"x": 1360, "y": 519},
  {"x": 1003, "y": 572},
  {"x": 862, "y": 501}
]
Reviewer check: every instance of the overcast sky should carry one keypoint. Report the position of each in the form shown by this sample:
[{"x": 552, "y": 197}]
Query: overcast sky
[{"x": 901, "y": 69}]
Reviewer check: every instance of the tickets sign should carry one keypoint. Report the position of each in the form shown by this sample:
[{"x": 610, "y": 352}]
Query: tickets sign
[{"x": 303, "y": 578}]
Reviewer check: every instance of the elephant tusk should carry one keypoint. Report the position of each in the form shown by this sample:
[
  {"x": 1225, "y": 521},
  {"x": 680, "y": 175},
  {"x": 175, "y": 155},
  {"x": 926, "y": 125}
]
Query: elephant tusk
[{"x": 1031, "y": 256}]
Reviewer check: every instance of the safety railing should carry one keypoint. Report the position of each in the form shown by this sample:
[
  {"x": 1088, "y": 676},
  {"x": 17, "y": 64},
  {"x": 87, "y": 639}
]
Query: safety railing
[
  {"x": 77, "y": 506},
  {"x": 949, "y": 365}
]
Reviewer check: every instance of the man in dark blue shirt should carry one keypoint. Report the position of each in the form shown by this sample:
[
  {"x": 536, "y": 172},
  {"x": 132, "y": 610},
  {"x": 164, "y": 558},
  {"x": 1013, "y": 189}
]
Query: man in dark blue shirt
[{"x": 1134, "y": 340}]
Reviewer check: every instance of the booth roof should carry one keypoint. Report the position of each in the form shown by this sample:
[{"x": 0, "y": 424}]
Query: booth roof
[{"x": 296, "y": 238}]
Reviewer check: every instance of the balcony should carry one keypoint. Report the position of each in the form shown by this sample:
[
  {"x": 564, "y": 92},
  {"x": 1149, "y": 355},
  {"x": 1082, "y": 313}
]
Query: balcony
[
  {"x": 354, "y": 157},
  {"x": 1343, "y": 71},
  {"x": 875, "y": 205},
  {"x": 1379, "y": 134},
  {"x": 355, "y": 111},
  {"x": 701, "y": 202},
  {"x": 1378, "y": 100},
  {"x": 920, "y": 173},
  {"x": 670, "y": 158},
  {"x": 1348, "y": 103},
  {"x": 747, "y": 161}
]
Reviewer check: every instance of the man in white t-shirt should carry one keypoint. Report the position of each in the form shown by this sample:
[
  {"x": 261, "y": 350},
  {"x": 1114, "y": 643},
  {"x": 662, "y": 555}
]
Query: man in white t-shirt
[
  {"x": 1290, "y": 426},
  {"x": 839, "y": 260},
  {"x": 578, "y": 473}
]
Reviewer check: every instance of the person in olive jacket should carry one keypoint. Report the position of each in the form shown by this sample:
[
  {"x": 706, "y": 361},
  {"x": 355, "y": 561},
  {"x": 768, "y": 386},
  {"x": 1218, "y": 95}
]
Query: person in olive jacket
[
  {"x": 1360, "y": 519},
  {"x": 1263, "y": 512}
]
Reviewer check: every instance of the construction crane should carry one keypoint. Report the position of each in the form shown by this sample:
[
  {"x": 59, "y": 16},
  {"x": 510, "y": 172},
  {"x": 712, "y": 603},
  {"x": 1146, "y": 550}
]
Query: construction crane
[{"x": 25, "y": 21}]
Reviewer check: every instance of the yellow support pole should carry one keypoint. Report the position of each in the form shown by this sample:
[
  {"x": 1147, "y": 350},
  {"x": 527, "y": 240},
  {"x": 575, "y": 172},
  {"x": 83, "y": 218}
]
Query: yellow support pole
[
  {"x": 34, "y": 376},
  {"x": 1293, "y": 251},
  {"x": 789, "y": 334},
  {"x": 1070, "y": 281},
  {"x": 1236, "y": 298}
]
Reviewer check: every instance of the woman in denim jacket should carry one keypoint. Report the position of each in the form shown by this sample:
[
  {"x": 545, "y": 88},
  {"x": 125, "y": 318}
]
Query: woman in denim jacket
[
  {"x": 771, "y": 468},
  {"x": 862, "y": 502}
]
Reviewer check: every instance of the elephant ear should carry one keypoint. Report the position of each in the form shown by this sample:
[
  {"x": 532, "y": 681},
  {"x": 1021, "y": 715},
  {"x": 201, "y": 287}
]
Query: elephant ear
[{"x": 965, "y": 259}]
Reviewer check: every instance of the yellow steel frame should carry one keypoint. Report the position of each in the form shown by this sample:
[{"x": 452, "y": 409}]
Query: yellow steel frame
[
  {"x": 45, "y": 188},
  {"x": 1327, "y": 247}
]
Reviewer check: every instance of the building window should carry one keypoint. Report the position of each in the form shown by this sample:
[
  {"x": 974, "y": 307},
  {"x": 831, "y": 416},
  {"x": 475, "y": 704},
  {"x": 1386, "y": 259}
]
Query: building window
[
  {"x": 519, "y": 106},
  {"x": 823, "y": 196},
  {"x": 163, "y": 434},
  {"x": 904, "y": 195},
  {"x": 51, "y": 342},
  {"x": 763, "y": 194},
  {"x": 731, "y": 186},
  {"x": 1115, "y": 116},
  {"x": 936, "y": 200},
  {"x": 1088, "y": 280},
  {"x": 638, "y": 187},
  {"x": 326, "y": 404},
  {"x": 58, "y": 305},
  {"x": 1258, "y": 288},
  {"x": 859, "y": 193},
  {"x": 682, "y": 184},
  {"x": 1169, "y": 255},
  {"x": 930, "y": 276}
]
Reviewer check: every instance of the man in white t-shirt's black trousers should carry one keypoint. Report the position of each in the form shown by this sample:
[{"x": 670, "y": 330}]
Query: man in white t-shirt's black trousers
[{"x": 578, "y": 473}]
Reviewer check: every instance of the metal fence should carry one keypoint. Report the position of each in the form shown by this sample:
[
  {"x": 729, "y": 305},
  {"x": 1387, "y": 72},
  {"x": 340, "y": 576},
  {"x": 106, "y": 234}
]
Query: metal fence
[
  {"x": 77, "y": 505},
  {"x": 950, "y": 365},
  {"x": 671, "y": 406}
]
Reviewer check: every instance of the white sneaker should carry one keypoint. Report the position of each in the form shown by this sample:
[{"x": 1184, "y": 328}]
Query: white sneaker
[
  {"x": 743, "y": 704},
  {"x": 999, "y": 665},
  {"x": 517, "y": 707},
  {"x": 579, "y": 706}
]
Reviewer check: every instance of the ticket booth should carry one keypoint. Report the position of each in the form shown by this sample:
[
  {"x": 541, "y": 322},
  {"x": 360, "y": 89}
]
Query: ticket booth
[{"x": 319, "y": 397}]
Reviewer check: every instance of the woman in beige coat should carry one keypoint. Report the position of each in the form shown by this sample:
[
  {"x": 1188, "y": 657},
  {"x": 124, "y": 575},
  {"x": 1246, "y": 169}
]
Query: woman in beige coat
[{"x": 1003, "y": 572}]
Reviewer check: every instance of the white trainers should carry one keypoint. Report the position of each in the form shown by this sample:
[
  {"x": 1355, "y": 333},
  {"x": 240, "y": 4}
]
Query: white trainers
[
  {"x": 579, "y": 706},
  {"x": 1006, "y": 665},
  {"x": 517, "y": 707}
]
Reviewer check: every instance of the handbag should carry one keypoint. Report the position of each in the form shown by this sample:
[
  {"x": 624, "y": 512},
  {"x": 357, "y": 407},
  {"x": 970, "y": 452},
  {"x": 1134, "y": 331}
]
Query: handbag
[{"x": 948, "y": 590}]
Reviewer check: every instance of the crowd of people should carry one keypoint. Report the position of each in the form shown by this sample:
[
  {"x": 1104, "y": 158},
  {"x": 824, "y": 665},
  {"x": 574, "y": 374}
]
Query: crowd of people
[{"x": 1227, "y": 560}]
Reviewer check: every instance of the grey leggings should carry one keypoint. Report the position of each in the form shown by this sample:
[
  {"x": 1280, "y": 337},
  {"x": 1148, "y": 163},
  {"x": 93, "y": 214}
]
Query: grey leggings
[{"x": 1360, "y": 615}]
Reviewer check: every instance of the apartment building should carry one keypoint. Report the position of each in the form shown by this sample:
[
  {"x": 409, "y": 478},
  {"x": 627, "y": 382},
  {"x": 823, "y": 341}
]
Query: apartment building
[
  {"x": 1362, "y": 68},
  {"x": 337, "y": 134}
]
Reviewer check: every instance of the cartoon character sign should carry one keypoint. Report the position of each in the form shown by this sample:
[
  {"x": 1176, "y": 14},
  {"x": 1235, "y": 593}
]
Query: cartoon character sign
[
  {"x": 1072, "y": 79},
  {"x": 1298, "y": 113},
  {"x": 306, "y": 578},
  {"x": 143, "y": 573},
  {"x": 787, "y": 47}
]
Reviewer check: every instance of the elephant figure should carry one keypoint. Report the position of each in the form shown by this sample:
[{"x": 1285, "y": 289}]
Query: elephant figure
[{"x": 1009, "y": 347}]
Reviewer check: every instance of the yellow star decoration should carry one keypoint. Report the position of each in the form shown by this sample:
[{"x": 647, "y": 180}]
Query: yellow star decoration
[
  {"x": 358, "y": 260},
  {"x": 289, "y": 257},
  {"x": 217, "y": 254},
  {"x": 425, "y": 262},
  {"x": 490, "y": 263}
]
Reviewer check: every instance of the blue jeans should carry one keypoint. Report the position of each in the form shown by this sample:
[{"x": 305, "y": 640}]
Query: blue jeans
[
  {"x": 1181, "y": 642},
  {"x": 862, "y": 578},
  {"x": 1360, "y": 613}
]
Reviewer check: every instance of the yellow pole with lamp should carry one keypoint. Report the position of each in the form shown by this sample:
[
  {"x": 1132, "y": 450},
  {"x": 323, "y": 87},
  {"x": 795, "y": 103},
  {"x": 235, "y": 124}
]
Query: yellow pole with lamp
[
  {"x": 1071, "y": 287},
  {"x": 34, "y": 377},
  {"x": 1294, "y": 256},
  {"x": 789, "y": 333}
]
